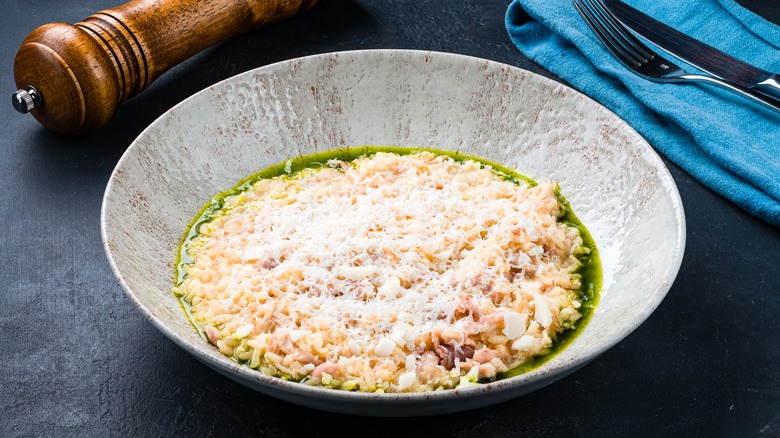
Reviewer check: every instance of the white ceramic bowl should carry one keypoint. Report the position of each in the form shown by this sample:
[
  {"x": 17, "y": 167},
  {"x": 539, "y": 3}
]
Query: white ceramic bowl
[{"x": 615, "y": 182}]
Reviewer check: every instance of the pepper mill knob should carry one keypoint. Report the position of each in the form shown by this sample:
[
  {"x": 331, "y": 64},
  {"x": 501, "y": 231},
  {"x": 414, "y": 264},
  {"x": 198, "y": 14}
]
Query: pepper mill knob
[{"x": 26, "y": 100}]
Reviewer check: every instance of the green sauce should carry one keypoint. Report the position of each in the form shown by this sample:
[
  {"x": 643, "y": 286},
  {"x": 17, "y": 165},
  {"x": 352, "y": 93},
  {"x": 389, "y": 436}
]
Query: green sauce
[{"x": 590, "y": 271}]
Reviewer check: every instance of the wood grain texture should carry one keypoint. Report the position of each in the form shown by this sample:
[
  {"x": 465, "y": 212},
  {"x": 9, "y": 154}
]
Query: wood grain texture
[{"x": 84, "y": 71}]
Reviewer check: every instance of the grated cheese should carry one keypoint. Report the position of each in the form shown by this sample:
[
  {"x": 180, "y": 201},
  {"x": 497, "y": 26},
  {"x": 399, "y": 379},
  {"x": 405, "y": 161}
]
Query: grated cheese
[
  {"x": 514, "y": 325},
  {"x": 384, "y": 347}
]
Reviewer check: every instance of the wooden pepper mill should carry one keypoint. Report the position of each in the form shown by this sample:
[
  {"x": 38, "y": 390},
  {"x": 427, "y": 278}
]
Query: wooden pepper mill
[{"x": 71, "y": 78}]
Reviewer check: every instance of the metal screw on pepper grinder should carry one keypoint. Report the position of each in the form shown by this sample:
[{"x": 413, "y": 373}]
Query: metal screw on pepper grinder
[{"x": 26, "y": 100}]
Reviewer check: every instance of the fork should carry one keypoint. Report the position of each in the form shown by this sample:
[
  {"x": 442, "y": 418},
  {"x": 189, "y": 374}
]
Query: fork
[{"x": 644, "y": 61}]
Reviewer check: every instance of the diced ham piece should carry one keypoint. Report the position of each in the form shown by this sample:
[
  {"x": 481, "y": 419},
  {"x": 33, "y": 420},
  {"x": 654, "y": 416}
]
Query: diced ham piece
[
  {"x": 326, "y": 367},
  {"x": 449, "y": 354},
  {"x": 212, "y": 334},
  {"x": 485, "y": 355}
]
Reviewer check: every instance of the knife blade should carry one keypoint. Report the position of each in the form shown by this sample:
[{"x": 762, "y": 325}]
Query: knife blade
[{"x": 695, "y": 52}]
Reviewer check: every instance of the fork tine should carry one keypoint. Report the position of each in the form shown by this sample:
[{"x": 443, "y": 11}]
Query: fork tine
[
  {"x": 626, "y": 38},
  {"x": 605, "y": 36}
]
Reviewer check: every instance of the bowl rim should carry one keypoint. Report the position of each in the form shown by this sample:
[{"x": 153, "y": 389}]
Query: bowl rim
[{"x": 545, "y": 371}]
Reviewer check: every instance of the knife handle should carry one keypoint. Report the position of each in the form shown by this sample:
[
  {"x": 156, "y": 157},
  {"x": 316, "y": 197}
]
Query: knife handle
[{"x": 73, "y": 77}]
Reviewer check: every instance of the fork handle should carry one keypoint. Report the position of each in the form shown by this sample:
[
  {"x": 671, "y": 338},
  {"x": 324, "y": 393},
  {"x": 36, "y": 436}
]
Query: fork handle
[
  {"x": 747, "y": 93},
  {"x": 769, "y": 86}
]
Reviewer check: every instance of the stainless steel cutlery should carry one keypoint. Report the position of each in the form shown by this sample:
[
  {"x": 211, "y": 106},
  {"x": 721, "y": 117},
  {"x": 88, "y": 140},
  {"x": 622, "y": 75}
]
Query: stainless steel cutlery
[{"x": 745, "y": 80}]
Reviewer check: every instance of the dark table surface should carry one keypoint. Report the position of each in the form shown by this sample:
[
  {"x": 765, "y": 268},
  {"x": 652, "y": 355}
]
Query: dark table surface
[{"x": 77, "y": 359}]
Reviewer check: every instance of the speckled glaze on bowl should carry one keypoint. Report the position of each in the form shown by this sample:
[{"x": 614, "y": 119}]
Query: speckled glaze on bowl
[{"x": 615, "y": 182}]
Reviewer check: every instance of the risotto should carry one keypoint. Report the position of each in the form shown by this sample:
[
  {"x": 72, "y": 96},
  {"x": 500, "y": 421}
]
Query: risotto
[{"x": 386, "y": 273}]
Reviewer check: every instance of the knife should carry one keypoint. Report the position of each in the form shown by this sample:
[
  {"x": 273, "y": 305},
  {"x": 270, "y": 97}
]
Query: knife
[{"x": 695, "y": 52}]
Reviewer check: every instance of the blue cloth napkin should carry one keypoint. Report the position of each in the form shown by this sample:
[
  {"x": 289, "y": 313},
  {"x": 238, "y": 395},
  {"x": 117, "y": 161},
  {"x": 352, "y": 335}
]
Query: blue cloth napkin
[{"x": 729, "y": 144}]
